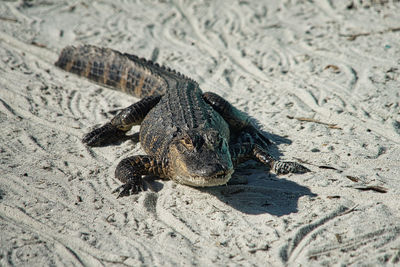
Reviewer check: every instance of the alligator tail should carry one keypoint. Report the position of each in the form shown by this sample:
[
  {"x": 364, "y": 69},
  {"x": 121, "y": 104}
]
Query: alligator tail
[{"x": 124, "y": 72}]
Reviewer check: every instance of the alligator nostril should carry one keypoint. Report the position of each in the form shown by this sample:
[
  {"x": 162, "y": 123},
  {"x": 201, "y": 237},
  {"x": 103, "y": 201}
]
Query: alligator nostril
[{"x": 213, "y": 170}]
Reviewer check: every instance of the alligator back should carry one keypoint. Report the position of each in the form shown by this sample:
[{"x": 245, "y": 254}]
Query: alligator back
[
  {"x": 128, "y": 73},
  {"x": 181, "y": 110}
]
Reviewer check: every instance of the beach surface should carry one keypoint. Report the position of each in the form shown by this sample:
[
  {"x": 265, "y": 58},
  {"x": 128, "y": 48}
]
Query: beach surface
[{"x": 320, "y": 77}]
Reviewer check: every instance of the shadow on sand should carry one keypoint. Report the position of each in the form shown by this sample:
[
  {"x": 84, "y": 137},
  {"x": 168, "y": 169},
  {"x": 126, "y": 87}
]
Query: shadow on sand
[
  {"x": 253, "y": 191},
  {"x": 264, "y": 193}
]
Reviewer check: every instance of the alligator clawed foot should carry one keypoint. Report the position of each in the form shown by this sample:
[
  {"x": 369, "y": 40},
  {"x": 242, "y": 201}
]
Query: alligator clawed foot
[
  {"x": 284, "y": 167},
  {"x": 106, "y": 134},
  {"x": 129, "y": 188}
]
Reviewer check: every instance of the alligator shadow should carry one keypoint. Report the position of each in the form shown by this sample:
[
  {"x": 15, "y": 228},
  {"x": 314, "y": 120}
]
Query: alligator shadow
[
  {"x": 263, "y": 193},
  {"x": 254, "y": 194}
]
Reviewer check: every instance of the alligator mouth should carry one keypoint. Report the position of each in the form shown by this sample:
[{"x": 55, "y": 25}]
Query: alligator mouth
[{"x": 201, "y": 181}]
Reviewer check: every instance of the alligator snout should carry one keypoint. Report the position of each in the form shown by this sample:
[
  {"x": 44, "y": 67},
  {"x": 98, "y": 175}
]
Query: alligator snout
[{"x": 213, "y": 170}]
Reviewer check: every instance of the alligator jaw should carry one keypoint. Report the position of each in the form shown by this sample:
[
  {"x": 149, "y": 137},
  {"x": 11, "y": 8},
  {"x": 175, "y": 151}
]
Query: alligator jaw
[{"x": 199, "y": 181}]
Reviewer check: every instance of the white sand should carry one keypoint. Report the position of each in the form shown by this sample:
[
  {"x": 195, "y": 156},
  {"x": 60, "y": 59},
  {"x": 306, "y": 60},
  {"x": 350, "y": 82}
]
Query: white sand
[{"x": 278, "y": 62}]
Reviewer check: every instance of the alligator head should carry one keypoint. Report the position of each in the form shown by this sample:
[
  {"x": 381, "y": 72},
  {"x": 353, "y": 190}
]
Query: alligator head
[{"x": 200, "y": 158}]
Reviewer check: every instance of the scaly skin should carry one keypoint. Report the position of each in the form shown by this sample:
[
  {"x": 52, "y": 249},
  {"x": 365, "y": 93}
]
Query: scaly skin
[{"x": 191, "y": 137}]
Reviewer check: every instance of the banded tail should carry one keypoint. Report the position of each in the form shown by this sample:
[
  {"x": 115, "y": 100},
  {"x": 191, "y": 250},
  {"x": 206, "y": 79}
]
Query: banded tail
[{"x": 128, "y": 73}]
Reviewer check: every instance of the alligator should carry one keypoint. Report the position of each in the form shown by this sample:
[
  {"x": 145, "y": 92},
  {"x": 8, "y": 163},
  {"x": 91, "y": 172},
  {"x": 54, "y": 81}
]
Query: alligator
[{"x": 190, "y": 137}]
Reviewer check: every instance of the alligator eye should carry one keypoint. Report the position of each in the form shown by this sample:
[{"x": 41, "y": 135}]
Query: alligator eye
[{"x": 187, "y": 142}]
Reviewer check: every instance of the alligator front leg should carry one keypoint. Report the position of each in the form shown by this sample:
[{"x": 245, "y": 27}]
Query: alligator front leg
[
  {"x": 250, "y": 142},
  {"x": 241, "y": 152},
  {"x": 115, "y": 129},
  {"x": 130, "y": 171}
]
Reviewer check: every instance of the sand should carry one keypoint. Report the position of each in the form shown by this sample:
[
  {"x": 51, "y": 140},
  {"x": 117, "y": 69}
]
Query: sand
[{"x": 322, "y": 78}]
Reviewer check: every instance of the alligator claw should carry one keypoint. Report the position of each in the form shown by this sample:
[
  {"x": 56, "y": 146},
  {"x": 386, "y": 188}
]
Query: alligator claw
[
  {"x": 129, "y": 188},
  {"x": 284, "y": 167},
  {"x": 104, "y": 135}
]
